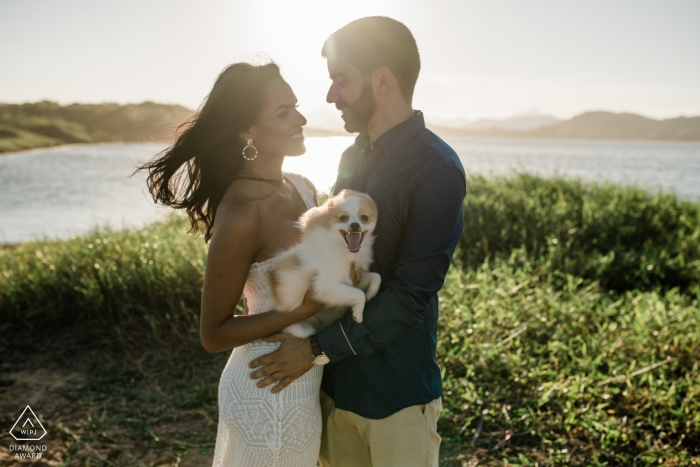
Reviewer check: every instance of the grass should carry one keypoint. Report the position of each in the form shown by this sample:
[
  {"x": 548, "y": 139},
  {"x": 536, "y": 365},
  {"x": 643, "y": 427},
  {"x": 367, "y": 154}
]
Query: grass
[
  {"x": 576, "y": 374},
  {"x": 624, "y": 238},
  {"x": 146, "y": 279},
  {"x": 566, "y": 352},
  {"x": 15, "y": 139}
]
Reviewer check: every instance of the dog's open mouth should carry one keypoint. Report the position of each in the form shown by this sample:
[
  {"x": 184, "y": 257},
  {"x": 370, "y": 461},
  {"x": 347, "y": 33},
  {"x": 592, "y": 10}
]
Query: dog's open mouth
[{"x": 353, "y": 240}]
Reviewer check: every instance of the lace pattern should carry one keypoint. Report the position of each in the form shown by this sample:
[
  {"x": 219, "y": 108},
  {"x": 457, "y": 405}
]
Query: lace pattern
[{"x": 256, "y": 427}]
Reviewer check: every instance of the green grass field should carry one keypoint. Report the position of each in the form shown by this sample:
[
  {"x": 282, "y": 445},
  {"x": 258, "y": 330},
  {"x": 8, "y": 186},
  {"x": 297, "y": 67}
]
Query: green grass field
[{"x": 569, "y": 331}]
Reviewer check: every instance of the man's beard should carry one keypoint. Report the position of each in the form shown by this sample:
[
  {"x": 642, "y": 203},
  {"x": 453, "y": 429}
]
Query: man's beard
[{"x": 362, "y": 110}]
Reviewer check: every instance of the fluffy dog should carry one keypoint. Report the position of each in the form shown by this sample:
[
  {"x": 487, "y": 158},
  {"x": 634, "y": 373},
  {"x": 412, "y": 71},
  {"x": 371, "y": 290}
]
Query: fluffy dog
[{"x": 334, "y": 237}]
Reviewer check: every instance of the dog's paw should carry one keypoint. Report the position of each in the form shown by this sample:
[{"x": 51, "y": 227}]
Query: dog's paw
[{"x": 357, "y": 312}]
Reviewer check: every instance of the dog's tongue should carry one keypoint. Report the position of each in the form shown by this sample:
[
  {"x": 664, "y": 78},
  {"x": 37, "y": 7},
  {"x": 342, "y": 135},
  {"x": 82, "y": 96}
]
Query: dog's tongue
[{"x": 354, "y": 240}]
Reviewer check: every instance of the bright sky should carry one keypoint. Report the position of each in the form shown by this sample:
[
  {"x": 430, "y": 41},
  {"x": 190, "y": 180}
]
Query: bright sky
[{"x": 480, "y": 58}]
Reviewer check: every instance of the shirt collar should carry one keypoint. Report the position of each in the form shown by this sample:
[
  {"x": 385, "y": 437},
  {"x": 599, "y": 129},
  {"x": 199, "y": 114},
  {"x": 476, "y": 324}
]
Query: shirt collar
[
  {"x": 362, "y": 142},
  {"x": 396, "y": 138},
  {"x": 393, "y": 140}
]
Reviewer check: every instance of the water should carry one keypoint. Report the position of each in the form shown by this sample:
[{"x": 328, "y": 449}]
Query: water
[
  {"x": 670, "y": 166},
  {"x": 64, "y": 191},
  {"x": 68, "y": 190}
]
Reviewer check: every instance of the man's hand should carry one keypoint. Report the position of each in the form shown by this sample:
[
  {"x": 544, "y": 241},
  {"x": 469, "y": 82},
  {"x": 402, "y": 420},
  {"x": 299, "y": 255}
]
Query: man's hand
[{"x": 284, "y": 365}]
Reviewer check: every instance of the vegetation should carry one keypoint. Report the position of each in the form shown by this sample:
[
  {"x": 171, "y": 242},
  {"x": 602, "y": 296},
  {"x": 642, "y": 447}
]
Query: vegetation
[
  {"x": 558, "y": 343},
  {"x": 625, "y": 239},
  {"x": 41, "y": 124}
]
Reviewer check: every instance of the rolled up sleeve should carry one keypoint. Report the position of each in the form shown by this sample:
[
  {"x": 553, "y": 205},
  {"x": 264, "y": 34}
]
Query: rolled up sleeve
[{"x": 433, "y": 227}]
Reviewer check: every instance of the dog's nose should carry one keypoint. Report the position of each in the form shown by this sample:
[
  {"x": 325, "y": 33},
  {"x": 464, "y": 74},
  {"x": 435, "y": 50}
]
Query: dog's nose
[{"x": 354, "y": 226}]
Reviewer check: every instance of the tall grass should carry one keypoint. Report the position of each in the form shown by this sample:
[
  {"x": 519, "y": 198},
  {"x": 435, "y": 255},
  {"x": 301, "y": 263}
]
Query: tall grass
[
  {"x": 149, "y": 278},
  {"x": 625, "y": 238},
  {"x": 569, "y": 321}
]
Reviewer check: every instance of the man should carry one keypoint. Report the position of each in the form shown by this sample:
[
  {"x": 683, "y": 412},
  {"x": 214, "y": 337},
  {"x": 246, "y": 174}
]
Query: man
[{"x": 381, "y": 390}]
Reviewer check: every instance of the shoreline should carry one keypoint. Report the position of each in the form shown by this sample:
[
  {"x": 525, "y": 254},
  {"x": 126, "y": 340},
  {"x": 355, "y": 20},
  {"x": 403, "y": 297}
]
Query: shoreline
[
  {"x": 168, "y": 215},
  {"x": 311, "y": 133},
  {"x": 523, "y": 138},
  {"x": 58, "y": 146}
]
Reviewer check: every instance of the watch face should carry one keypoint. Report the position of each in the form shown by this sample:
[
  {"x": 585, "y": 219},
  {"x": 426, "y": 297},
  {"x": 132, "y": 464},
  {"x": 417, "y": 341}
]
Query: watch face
[{"x": 322, "y": 360}]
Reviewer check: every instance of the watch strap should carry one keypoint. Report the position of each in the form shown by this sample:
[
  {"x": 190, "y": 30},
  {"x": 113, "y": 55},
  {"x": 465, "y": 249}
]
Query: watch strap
[{"x": 315, "y": 347}]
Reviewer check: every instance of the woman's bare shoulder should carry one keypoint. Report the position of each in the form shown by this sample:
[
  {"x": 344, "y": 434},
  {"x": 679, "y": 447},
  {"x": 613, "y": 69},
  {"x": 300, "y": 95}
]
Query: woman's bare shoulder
[{"x": 237, "y": 216}]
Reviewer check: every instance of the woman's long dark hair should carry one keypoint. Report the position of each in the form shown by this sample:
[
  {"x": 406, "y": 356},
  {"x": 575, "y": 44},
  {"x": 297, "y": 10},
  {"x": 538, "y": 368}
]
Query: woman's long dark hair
[{"x": 205, "y": 156}]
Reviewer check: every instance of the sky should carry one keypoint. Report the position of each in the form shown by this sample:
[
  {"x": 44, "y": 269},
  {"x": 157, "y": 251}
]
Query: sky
[{"x": 480, "y": 59}]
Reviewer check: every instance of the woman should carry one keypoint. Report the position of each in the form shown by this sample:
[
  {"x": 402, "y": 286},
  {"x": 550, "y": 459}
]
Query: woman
[{"x": 225, "y": 170}]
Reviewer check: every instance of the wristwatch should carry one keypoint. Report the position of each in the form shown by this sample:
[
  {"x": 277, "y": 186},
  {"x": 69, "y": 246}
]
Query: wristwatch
[{"x": 320, "y": 358}]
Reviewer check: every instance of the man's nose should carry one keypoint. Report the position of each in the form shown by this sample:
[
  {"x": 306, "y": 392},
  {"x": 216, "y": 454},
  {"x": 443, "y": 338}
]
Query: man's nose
[
  {"x": 333, "y": 94},
  {"x": 302, "y": 119}
]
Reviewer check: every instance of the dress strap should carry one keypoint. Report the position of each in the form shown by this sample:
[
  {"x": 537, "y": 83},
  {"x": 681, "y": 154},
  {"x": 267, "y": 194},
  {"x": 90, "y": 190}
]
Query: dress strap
[{"x": 306, "y": 193}]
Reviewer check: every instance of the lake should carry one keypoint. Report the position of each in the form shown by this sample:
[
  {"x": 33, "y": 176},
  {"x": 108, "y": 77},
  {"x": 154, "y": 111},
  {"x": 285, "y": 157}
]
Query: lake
[{"x": 67, "y": 190}]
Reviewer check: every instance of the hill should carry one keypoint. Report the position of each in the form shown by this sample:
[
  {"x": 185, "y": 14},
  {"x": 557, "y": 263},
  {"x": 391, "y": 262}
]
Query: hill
[
  {"x": 46, "y": 123},
  {"x": 608, "y": 125},
  {"x": 41, "y": 124},
  {"x": 595, "y": 125},
  {"x": 517, "y": 123}
]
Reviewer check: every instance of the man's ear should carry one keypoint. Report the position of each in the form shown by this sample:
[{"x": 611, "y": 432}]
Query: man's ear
[{"x": 383, "y": 80}]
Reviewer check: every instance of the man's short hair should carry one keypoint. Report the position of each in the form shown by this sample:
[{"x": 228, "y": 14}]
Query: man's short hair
[{"x": 376, "y": 41}]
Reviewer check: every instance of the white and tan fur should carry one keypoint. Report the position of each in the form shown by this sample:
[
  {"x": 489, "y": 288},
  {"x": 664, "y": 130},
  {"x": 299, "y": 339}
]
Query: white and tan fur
[{"x": 322, "y": 261}]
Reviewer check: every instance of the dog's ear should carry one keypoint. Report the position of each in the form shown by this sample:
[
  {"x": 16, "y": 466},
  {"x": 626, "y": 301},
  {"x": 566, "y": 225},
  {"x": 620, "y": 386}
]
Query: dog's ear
[
  {"x": 334, "y": 201},
  {"x": 309, "y": 216}
]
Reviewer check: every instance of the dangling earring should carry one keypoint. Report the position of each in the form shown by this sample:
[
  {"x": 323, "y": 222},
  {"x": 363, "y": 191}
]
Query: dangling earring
[{"x": 250, "y": 145}]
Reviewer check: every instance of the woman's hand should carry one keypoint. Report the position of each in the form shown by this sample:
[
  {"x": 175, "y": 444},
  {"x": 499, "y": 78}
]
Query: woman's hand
[
  {"x": 310, "y": 305},
  {"x": 308, "y": 308}
]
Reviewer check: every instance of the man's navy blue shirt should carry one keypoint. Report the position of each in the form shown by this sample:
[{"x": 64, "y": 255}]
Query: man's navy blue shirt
[{"x": 388, "y": 362}]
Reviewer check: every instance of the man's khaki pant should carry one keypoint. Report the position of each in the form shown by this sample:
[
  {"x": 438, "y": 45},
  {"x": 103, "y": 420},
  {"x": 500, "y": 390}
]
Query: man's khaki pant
[{"x": 405, "y": 439}]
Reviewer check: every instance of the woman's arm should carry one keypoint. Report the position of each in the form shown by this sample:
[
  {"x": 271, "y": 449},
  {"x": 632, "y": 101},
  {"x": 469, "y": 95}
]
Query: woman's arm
[{"x": 231, "y": 252}]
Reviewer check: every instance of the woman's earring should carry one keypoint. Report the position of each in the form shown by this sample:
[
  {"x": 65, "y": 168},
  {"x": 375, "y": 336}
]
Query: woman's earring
[{"x": 250, "y": 145}]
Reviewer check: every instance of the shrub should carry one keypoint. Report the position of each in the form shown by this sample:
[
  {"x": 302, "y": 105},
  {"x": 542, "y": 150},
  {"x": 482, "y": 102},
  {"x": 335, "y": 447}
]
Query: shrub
[{"x": 623, "y": 237}]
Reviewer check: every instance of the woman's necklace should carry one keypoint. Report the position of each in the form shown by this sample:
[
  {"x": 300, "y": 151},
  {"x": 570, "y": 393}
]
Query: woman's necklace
[{"x": 258, "y": 178}]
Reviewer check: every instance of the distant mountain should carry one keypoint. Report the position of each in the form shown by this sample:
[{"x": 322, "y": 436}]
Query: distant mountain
[
  {"x": 517, "y": 123},
  {"x": 608, "y": 125},
  {"x": 594, "y": 125},
  {"x": 41, "y": 124}
]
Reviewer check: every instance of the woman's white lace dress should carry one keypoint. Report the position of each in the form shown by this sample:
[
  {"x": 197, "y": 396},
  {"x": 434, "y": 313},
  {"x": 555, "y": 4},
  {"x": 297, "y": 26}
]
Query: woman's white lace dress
[{"x": 256, "y": 427}]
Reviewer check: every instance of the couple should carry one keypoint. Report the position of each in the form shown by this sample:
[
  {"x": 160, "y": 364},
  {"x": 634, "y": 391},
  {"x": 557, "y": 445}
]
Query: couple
[{"x": 379, "y": 381}]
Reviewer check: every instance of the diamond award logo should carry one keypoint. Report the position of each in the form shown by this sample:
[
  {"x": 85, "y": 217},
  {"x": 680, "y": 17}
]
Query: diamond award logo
[{"x": 28, "y": 427}]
